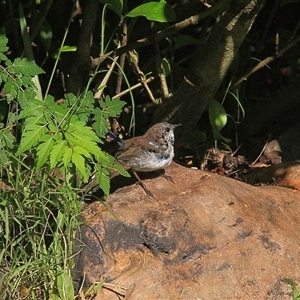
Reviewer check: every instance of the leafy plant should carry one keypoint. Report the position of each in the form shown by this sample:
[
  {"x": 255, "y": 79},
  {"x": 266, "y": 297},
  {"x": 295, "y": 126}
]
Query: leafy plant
[
  {"x": 61, "y": 138},
  {"x": 154, "y": 11},
  {"x": 47, "y": 150},
  {"x": 296, "y": 294},
  {"x": 218, "y": 119}
]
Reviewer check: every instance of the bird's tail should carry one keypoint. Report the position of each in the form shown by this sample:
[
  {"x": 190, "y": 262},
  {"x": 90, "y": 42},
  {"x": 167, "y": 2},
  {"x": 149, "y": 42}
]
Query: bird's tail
[{"x": 120, "y": 142}]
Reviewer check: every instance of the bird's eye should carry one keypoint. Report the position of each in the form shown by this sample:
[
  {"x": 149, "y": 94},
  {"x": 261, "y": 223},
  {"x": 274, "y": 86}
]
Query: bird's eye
[{"x": 168, "y": 129}]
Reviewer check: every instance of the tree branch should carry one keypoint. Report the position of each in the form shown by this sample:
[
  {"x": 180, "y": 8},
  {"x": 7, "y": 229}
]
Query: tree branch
[
  {"x": 164, "y": 33},
  {"x": 208, "y": 67}
]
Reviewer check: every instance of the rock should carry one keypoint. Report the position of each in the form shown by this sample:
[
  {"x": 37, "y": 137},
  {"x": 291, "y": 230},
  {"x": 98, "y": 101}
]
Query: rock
[
  {"x": 204, "y": 237},
  {"x": 285, "y": 174}
]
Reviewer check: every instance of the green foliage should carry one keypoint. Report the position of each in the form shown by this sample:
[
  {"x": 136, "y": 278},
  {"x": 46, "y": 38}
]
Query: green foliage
[
  {"x": 154, "y": 11},
  {"x": 6, "y": 145},
  {"x": 34, "y": 217},
  {"x": 217, "y": 118},
  {"x": 296, "y": 294},
  {"x": 3, "y": 46},
  {"x": 17, "y": 76},
  {"x": 39, "y": 206},
  {"x": 65, "y": 286},
  {"x": 24, "y": 67},
  {"x": 62, "y": 139},
  {"x": 28, "y": 49},
  {"x": 166, "y": 66}
]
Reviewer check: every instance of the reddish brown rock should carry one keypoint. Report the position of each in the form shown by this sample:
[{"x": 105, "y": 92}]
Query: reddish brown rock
[
  {"x": 204, "y": 237},
  {"x": 285, "y": 174}
]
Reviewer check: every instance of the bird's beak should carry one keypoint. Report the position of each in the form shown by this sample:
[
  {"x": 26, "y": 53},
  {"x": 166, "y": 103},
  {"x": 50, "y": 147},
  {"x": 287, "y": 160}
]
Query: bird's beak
[{"x": 176, "y": 125}]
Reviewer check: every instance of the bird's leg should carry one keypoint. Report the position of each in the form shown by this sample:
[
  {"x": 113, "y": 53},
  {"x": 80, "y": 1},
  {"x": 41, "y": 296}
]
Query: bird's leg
[
  {"x": 142, "y": 184},
  {"x": 164, "y": 175}
]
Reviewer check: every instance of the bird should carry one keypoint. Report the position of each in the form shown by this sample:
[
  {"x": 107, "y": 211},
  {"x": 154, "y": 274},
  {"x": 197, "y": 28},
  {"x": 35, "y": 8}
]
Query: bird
[{"x": 147, "y": 153}]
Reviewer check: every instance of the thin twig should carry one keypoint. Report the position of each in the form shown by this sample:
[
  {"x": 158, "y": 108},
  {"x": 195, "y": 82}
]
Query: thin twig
[
  {"x": 99, "y": 93},
  {"x": 141, "y": 75},
  {"x": 169, "y": 31},
  {"x": 132, "y": 88},
  {"x": 160, "y": 72},
  {"x": 267, "y": 61},
  {"x": 260, "y": 154}
]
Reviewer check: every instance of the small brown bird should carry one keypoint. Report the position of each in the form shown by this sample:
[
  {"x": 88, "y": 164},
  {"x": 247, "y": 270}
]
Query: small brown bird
[{"x": 150, "y": 152}]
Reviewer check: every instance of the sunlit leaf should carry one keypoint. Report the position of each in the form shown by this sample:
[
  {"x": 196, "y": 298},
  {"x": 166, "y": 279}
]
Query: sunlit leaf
[
  {"x": 154, "y": 11},
  {"x": 25, "y": 67},
  {"x": 57, "y": 152},
  {"x": 217, "y": 115},
  {"x": 43, "y": 151}
]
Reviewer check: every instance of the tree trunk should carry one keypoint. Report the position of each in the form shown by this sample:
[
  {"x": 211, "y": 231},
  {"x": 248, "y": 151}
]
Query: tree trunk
[
  {"x": 82, "y": 63},
  {"x": 208, "y": 67}
]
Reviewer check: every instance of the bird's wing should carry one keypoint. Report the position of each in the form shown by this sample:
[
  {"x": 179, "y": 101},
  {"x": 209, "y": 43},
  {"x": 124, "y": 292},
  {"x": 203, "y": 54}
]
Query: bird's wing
[{"x": 131, "y": 149}]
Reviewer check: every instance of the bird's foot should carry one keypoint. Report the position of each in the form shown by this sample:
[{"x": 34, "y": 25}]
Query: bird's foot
[
  {"x": 147, "y": 191},
  {"x": 169, "y": 178}
]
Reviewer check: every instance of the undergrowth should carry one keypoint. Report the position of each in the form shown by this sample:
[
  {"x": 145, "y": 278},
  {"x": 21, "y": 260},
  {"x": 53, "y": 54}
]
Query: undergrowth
[{"x": 48, "y": 149}]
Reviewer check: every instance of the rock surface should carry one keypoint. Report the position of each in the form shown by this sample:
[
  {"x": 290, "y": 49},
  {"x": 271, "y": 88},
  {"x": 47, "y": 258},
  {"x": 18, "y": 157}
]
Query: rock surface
[{"x": 204, "y": 237}]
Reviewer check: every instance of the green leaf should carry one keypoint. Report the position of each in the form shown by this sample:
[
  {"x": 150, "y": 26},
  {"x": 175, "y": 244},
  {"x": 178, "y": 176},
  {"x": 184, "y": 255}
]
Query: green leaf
[
  {"x": 8, "y": 63},
  {"x": 57, "y": 152},
  {"x": 43, "y": 151},
  {"x": 3, "y": 76},
  {"x": 67, "y": 48},
  {"x": 121, "y": 170},
  {"x": 67, "y": 157},
  {"x": 82, "y": 151},
  {"x": 3, "y": 157},
  {"x": 112, "y": 107},
  {"x": 103, "y": 179},
  {"x": 54, "y": 297},
  {"x": 217, "y": 115},
  {"x": 31, "y": 137},
  {"x": 2, "y": 57},
  {"x": 25, "y": 97},
  {"x": 31, "y": 108},
  {"x": 89, "y": 145},
  {"x": 115, "y": 5},
  {"x": 25, "y": 67},
  {"x": 166, "y": 66},
  {"x": 109, "y": 108},
  {"x": 85, "y": 110},
  {"x": 10, "y": 89},
  {"x": 29, "y": 54},
  {"x": 154, "y": 11},
  {"x": 101, "y": 124},
  {"x": 218, "y": 136},
  {"x": 296, "y": 294},
  {"x": 65, "y": 286},
  {"x": 3, "y": 43},
  {"x": 79, "y": 162},
  {"x": 82, "y": 132},
  {"x": 7, "y": 137},
  {"x": 6, "y": 144},
  {"x": 27, "y": 82}
]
